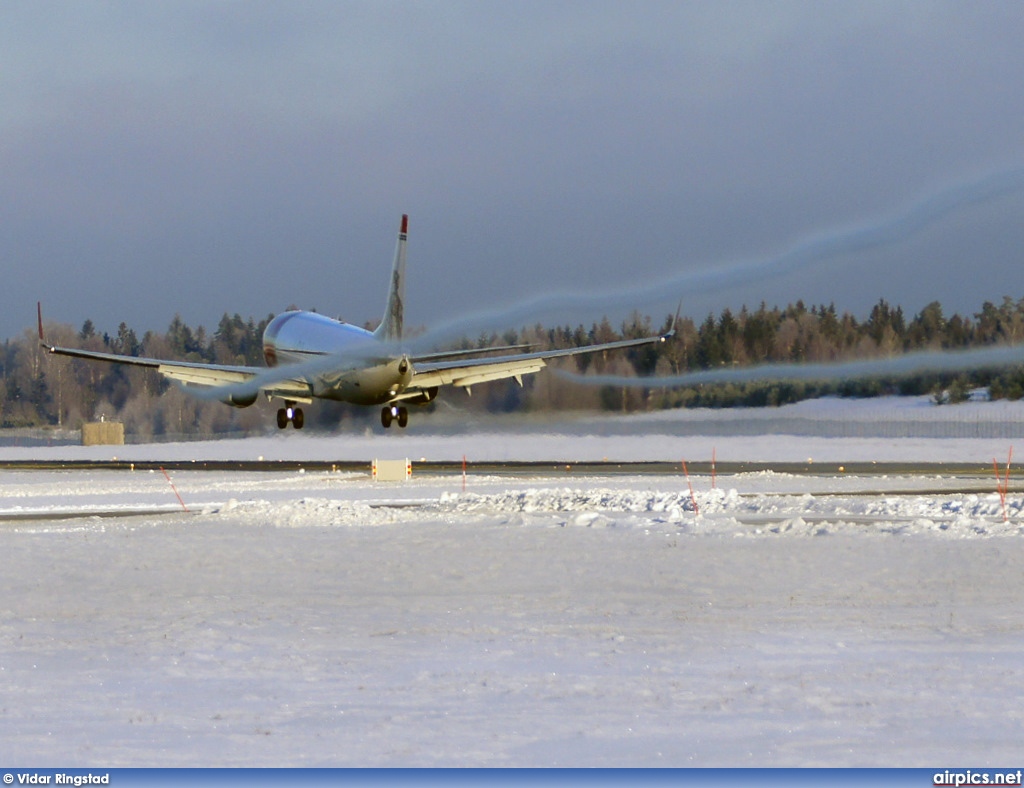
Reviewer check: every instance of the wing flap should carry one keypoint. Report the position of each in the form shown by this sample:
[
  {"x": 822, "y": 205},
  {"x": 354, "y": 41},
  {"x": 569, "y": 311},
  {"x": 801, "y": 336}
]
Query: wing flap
[
  {"x": 470, "y": 375},
  {"x": 213, "y": 375},
  {"x": 465, "y": 374},
  {"x": 203, "y": 376},
  {"x": 499, "y": 373}
]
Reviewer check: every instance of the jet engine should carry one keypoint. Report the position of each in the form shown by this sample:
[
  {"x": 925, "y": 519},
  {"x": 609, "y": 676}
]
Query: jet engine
[{"x": 240, "y": 400}]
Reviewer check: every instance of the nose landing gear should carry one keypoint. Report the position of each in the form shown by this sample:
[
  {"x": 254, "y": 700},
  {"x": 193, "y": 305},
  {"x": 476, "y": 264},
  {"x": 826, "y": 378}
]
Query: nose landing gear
[
  {"x": 290, "y": 413},
  {"x": 394, "y": 413}
]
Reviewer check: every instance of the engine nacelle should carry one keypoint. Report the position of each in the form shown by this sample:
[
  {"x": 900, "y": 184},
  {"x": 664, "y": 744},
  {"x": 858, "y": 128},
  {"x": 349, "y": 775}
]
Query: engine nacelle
[
  {"x": 425, "y": 396},
  {"x": 240, "y": 400}
]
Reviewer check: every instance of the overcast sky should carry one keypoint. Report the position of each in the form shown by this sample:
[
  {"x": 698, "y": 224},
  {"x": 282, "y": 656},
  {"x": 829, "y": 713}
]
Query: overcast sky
[{"x": 208, "y": 157}]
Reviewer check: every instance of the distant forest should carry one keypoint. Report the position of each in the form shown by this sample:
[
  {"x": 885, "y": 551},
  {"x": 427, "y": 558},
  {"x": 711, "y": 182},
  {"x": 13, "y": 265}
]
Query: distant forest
[{"x": 37, "y": 389}]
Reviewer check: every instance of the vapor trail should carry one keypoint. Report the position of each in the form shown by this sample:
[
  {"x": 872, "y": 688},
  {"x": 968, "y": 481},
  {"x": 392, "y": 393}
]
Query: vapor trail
[
  {"x": 905, "y": 365},
  {"x": 888, "y": 230},
  {"x": 893, "y": 228}
]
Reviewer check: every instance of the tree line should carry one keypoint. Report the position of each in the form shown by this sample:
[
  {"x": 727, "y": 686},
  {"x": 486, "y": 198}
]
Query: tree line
[{"x": 37, "y": 389}]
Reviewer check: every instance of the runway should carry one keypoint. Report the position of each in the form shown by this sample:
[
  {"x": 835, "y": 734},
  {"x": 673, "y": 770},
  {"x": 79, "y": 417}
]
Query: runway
[{"x": 523, "y": 468}]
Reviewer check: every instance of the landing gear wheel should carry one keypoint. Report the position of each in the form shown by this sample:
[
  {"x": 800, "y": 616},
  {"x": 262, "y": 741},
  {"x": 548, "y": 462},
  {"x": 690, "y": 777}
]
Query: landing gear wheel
[
  {"x": 385, "y": 417},
  {"x": 290, "y": 414},
  {"x": 403, "y": 417}
]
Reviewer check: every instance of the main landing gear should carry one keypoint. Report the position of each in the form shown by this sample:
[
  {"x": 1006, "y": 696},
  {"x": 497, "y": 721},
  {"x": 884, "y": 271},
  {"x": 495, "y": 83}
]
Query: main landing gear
[
  {"x": 290, "y": 413},
  {"x": 394, "y": 413}
]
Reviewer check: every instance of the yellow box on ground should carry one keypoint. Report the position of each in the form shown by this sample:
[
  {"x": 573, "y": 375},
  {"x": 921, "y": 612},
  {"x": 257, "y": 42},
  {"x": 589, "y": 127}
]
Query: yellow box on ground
[
  {"x": 103, "y": 433},
  {"x": 391, "y": 470}
]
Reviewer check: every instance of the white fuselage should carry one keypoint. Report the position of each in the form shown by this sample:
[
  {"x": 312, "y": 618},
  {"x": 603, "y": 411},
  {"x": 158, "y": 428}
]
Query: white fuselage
[{"x": 356, "y": 368}]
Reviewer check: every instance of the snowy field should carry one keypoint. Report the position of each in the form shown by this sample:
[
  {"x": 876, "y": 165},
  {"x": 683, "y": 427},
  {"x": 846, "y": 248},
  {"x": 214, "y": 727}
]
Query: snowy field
[{"x": 322, "y": 619}]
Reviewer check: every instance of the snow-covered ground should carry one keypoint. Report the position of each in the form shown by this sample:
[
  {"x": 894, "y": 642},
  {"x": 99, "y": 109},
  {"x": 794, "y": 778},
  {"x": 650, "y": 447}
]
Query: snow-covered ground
[
  {"x": 318, "y": 618},
  {"x": 889, "y": 429}
]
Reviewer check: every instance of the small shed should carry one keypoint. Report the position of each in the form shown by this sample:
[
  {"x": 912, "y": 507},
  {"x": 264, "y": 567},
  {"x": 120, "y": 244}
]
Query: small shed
[{"x": 103, "y": 433}]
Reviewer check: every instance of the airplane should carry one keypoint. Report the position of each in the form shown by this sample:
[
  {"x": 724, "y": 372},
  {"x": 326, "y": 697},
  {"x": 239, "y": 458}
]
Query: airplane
[{"x": 310, "y": 356}]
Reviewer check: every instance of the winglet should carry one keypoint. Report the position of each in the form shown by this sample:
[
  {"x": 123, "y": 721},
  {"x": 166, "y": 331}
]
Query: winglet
[
  {"x": 675, "y": 322},
  {"x": 39, "y": 318}
]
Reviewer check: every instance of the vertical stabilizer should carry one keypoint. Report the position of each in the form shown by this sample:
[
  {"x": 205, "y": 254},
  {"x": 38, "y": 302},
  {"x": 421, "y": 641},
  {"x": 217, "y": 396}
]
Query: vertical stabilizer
[{"x": 390, "y": 328}]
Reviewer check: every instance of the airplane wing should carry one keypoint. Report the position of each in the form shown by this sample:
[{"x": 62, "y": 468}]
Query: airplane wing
[
  {"x": 431, "y": 374},
  {"x": 194, "y": 373},
  {"x": 447, "y": 355},
  {"x": 458, "y": 368},
  {"x": 189, "y": 372}
]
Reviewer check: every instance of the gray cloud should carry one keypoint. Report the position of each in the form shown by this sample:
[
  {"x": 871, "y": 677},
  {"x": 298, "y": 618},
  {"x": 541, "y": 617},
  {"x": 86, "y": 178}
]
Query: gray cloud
[{"x": 209, "y": 157}]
